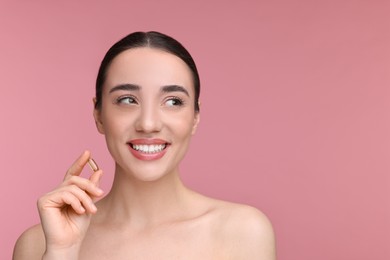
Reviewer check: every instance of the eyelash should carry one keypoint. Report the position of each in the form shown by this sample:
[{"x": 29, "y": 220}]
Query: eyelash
[
  {"x": 180, "y": 102},
  {"x": 120, "y": 100},
  {"x": 132, "y": 100}
]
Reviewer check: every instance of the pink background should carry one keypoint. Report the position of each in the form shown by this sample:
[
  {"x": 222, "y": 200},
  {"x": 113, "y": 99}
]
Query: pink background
[{"x": 295, "y": 115}]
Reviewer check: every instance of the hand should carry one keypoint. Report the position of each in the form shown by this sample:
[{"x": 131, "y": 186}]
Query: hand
[{"x": 66, "y": 211}]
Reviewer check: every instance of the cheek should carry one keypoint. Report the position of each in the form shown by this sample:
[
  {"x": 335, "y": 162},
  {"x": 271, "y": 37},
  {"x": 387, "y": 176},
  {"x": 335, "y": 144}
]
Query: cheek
[
  {"x": 183, "y": 125},
  {"x": 116, "y": 130},
  {"x": 114, "y": 123}
]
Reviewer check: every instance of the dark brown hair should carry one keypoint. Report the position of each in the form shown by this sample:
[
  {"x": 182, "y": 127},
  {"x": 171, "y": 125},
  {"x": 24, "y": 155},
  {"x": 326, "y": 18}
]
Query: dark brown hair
[{"x": 147, "y": 39}]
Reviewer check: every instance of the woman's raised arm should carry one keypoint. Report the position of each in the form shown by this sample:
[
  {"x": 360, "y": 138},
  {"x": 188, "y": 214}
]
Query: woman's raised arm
[{"x": 65, "y": 215}]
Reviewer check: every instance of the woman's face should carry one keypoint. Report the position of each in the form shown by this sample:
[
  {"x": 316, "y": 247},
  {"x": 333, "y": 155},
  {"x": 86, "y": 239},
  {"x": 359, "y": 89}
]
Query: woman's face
[{"x": 147, "y": 113}]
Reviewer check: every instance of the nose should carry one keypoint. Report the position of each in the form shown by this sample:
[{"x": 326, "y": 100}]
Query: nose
[{"x": 148, "y": 120}]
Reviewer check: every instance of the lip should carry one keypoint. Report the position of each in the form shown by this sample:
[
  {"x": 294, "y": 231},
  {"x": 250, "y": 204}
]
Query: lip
[{"x": 147, "y": 141}]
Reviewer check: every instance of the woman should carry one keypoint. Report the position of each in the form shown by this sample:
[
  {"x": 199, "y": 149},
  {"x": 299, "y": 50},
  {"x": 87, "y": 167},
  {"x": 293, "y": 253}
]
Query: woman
[{"x": 147, "y": 108}]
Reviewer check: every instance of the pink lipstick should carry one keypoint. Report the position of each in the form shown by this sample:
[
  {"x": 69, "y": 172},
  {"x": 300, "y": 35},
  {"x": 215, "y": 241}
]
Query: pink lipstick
[{"x": 148, "y": 149}]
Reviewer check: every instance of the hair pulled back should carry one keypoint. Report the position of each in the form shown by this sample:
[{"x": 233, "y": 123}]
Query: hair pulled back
[{"x": 150, "y": 39}]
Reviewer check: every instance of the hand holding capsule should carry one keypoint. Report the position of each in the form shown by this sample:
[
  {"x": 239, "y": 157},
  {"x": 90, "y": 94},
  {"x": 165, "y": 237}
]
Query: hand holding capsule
[{"x": 66, "y": 211}]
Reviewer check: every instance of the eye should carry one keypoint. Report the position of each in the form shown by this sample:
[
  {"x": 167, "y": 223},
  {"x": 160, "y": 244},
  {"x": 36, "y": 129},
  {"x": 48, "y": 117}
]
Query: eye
[
  {"x": 174, "y": 102},
  {"x": 127, "y": 100}
]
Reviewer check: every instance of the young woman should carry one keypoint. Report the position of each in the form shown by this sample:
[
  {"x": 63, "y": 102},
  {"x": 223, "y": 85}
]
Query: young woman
[{"x": 147, "y": 108}]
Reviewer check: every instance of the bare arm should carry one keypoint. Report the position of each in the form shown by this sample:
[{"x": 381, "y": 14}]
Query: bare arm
[
  {"x": 30, "y": 245},
  {"x": 65, "y": 214}
]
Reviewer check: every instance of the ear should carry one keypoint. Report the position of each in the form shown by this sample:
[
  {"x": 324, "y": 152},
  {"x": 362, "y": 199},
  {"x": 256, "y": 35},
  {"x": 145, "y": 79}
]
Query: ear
[
  {"x": 196, "y": 122},
  {"x": 97, "y": 116}
]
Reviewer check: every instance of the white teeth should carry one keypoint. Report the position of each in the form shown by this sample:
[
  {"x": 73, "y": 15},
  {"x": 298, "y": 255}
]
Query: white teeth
[{"x": 153, "y": 148}]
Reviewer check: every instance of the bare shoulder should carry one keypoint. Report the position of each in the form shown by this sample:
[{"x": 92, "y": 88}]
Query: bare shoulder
[
  {"x": 30, "y": 245},
  {"x": 246, "y": 231}
]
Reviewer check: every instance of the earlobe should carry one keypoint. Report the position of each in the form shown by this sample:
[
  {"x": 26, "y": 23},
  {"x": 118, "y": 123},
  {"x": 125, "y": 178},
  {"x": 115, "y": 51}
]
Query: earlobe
[
  {"x": 96, "y": 115},
  {"x": 196, "y": 122}
]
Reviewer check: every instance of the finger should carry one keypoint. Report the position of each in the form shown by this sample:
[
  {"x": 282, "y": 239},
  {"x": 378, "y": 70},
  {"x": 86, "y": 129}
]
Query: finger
[
  {"x": 78, "y": 165},
  {"x": 71, "y": 195},
  {"x": 58, "y": 200},
  {"x": 70, "y": 199},
  {"x": 83, "y": 184},
  {"x": 83, "y": 197},
  {"x": 95, "y": 177}
]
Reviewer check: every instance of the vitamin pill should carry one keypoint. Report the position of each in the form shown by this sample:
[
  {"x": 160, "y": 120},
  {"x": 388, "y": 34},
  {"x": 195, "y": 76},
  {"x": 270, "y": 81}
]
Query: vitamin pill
[{"x": 93, "y": 165}]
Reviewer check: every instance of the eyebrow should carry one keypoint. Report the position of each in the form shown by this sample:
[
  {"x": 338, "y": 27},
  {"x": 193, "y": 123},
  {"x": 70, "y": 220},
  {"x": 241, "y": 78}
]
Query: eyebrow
[
  {"x": 129, "y": 87},
  {"x": 174, "y": 88},
  {"x": 134, "y": 87}
]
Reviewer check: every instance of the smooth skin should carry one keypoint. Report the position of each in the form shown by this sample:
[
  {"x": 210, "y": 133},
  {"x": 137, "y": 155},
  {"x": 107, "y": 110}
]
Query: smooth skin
[{"x": 148, "y": 213}]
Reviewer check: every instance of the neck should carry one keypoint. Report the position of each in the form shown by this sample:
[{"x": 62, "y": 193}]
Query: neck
[{"x": 146, "y": 203}]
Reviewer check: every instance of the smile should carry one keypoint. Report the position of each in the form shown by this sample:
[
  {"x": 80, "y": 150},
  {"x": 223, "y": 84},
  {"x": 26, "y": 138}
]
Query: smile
[
  {"x": 148, "y": 149},
  {"x": 145, "y": 148}
]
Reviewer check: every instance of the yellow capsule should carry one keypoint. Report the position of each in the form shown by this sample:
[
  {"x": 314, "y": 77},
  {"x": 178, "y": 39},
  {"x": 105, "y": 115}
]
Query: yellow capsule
[{"x": 93, "y": 165}]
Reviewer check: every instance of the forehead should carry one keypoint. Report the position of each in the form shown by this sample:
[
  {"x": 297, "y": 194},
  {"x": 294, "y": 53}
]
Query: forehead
[{"x": 147, "y": 66}]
